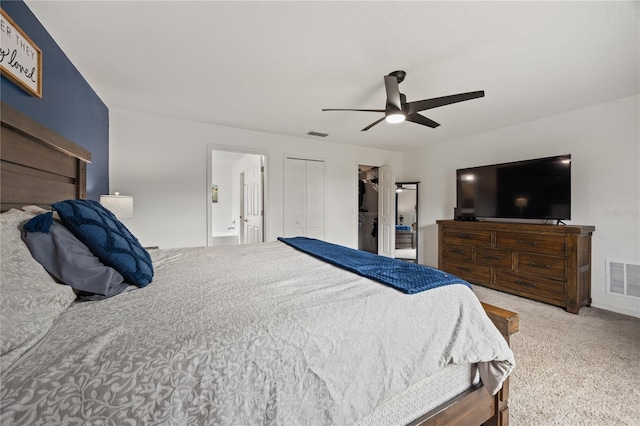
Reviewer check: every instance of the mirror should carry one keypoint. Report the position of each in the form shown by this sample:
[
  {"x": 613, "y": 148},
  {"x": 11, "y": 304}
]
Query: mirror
[{"x": 407, "y": 221}]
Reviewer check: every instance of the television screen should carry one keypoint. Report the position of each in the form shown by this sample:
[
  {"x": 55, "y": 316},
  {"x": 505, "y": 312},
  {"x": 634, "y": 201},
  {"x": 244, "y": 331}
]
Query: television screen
[{"x": 531, "y": 189}]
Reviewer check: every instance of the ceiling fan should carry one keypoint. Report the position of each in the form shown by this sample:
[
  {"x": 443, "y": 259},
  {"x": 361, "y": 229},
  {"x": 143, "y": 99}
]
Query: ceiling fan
[{"x": 398, "y": 109}]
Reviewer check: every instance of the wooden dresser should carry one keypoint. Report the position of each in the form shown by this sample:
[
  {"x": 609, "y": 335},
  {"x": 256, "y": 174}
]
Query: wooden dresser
[{"x": 548, "y": 263}]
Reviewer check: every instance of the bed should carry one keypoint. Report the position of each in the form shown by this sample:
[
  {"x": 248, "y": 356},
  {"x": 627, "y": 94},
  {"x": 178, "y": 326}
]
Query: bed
[{"x": 258, "y": 334}]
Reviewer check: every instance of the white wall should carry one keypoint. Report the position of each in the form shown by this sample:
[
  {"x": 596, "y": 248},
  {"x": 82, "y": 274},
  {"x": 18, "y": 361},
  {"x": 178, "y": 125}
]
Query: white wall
[
  {"x": 604, "y": 143},
  {"x": 162, "y": 162}
]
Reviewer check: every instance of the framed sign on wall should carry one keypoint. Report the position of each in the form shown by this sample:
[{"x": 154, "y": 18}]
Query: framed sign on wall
[{"x": 20, "y": 57}]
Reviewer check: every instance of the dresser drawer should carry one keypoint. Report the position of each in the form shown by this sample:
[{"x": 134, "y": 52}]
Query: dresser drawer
[
  {"x": 532, "y": 243},
  {"x": 532, "y": 286},
  {"x": 405, "y": 239},
  {"x": 496, "y": 258},
  {"x": 545, "y": 266},
  {"x": 467, "y": 236},
  {"x": 457, "y": 251},
  {"x": 471, "y": 272}
]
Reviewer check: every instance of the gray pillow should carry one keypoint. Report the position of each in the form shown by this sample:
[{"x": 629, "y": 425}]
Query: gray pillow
[{"x": 71, "y": 262}]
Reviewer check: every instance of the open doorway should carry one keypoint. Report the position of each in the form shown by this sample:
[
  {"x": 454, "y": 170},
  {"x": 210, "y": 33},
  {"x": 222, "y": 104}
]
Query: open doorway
[
  {"x": 368, "y": 208},
  {"x": 376, "y": 209},
  {"x": 235, "y": 196}
]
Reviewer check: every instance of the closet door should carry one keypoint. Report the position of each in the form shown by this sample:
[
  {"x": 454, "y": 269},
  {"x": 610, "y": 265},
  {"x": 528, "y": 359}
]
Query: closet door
[
  {"x": 315, "y": 199},
  {"x": 386, "y": 212},
  {"x": 303, "y": 198},
  {"x": 294, "y": 197}
]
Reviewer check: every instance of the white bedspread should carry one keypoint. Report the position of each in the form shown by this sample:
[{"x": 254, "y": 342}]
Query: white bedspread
[{"x": 251, "y": 335}]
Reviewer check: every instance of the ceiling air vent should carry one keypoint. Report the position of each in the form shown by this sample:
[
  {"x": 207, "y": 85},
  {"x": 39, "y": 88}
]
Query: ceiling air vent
[{"x": 321, "y": 135}]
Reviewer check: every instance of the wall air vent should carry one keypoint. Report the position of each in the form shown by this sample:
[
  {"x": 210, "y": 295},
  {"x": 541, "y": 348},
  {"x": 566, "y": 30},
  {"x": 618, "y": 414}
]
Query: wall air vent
[
  {"x": 623, "y": 278},
  {"x": 321, "y": 135}
]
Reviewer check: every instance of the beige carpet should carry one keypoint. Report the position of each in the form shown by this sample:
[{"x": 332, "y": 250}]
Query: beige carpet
[{"x": 571, "y": 369}]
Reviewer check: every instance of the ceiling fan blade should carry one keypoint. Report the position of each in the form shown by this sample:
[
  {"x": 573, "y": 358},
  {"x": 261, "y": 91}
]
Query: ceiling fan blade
[
  {"x": 371, "y": 125},
  {"x": 425, "y": 104},
  {"x": 364, "y": 110},
  {"x": 420, "y": 119},
  {"x": 393, "y": 92}
]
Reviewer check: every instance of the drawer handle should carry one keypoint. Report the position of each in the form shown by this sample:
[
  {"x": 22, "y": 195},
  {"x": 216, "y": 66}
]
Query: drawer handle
[
  {"x": 457, "y": 251},
  {"x": 535, "y": 265},
  {"x": 528, "y": 243},
  {"x": 486, "y": 256},
  {"x": 527, "y": 283},
  {"x": 465, "y": 236},
  {"x": 460, "y": 268}
]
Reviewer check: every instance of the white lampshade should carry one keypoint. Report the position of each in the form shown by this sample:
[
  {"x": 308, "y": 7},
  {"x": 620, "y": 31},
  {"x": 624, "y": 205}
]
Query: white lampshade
[
  {"x": 120, "y": 205},
  {"x": 522, "y": 202}
]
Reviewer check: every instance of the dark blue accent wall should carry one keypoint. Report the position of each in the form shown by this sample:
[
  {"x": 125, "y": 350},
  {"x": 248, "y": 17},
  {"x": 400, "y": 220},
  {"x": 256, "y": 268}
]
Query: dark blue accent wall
[{"x": 68, "y": 106}]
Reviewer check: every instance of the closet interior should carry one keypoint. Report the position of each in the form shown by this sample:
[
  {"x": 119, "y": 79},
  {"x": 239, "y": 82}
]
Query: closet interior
[{"x": 368, "y": 208}]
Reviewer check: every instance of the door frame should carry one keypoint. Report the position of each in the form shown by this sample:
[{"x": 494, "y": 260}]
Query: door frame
[{"x": 210, "y": 148}]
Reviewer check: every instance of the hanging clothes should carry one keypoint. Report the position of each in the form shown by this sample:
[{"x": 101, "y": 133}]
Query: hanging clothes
[{"x": 374, "y": 231}]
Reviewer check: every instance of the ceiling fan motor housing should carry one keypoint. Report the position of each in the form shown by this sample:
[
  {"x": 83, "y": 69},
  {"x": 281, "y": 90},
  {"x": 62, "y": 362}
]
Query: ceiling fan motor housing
[{"x": 400, "y": 75}]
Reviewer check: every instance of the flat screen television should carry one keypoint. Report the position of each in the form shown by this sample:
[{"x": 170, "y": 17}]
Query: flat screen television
[{"x": 530, "y": 189}]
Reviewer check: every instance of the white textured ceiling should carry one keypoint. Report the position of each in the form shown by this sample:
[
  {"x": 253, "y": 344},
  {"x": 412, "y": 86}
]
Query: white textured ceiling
[{"x": 272, "y": 66}]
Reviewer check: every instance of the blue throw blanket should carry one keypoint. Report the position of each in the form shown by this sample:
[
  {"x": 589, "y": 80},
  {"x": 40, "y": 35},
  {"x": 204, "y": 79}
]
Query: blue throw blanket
[{"x": 404, "y": 276}]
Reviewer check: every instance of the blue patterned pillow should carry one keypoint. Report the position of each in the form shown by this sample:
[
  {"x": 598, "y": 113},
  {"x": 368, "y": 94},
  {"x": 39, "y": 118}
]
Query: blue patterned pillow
[{"x": 107, "y": 238}]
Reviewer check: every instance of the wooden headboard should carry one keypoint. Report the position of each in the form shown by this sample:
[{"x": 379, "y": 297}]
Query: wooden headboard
[{"x": 37, "y": 165}]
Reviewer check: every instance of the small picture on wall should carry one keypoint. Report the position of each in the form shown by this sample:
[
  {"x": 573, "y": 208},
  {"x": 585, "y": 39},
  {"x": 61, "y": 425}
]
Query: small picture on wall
[{"x": 214, "y": 193}]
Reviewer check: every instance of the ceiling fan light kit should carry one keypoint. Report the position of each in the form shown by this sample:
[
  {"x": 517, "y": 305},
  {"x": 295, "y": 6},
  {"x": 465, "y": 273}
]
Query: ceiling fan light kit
[
  {"x": 398, "y": 109},
  {"x": 395, "y": 117}
]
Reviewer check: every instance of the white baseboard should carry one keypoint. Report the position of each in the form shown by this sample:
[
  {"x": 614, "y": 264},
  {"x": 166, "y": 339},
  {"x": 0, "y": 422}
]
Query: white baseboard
[{"x": 617, "y": 309}]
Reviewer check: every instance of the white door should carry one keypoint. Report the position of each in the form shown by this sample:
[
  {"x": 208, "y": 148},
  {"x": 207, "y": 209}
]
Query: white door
[
  {"x": 295, "y": 220},
  {"x": 315, "y": 199},
  {"x": 252, "y": 203},
  {"x": 386, "y": 211},
  {"x": 303, "y": 198}
]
